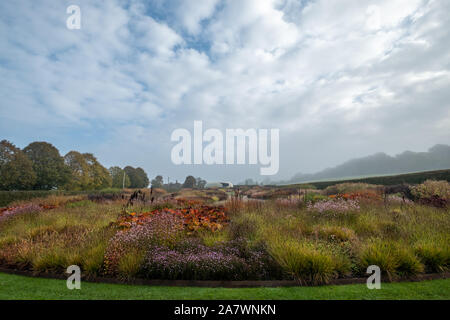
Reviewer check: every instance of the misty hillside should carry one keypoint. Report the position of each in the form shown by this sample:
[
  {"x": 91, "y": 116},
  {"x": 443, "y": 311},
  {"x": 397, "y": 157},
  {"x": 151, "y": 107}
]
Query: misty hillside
[{"x": 437, "y": 157}]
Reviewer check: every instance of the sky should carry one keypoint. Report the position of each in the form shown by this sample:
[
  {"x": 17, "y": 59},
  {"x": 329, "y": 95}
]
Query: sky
[{"x": 339, "y": 78}]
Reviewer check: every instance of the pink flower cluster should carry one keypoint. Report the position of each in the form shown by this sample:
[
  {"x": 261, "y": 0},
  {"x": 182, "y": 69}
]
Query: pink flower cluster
[
  {"x": 191, "y": 260},
  {"x": 201, "y": 263},
  {"x": 160, "y": 229},
  {"x": 334, "y": 206}
]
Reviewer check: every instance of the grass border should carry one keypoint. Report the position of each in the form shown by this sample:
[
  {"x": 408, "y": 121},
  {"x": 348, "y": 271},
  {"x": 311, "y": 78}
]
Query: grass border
[{"x": 222, "y": 284}]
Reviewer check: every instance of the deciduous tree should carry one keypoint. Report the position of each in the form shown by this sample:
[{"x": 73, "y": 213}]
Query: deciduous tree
[
  {"x": 119, "y": 178},
  {"x": 189, "y": 182},
  {"x": 143, "y": 178},
  {"x": 138, "y": 177},
  {"x": 100, "y": 175},
  {"x": 51, "y": 172},
  {"x": 200, "y": 183},
  {"x": 87, "y": 172},
  {"x": 16, "y": 169},
  {"x": 158, "y": 182}
]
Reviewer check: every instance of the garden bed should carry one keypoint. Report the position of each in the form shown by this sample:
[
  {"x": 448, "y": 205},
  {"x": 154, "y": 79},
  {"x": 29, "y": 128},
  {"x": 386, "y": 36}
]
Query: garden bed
[{"x": 314, "y": 240}]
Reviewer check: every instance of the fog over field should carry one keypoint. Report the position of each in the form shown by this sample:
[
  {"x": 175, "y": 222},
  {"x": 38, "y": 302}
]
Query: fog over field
[{"x": 339, "y": 79}]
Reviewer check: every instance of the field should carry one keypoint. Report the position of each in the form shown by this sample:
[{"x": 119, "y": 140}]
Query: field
[{"x": 306, "y": 235}]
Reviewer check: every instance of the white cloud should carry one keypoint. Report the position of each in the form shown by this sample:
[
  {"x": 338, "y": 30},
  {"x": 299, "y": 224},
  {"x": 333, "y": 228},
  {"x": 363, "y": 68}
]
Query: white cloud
[
  {"x": 331, "y": 74},
  {"x": 192, "y": 13}
]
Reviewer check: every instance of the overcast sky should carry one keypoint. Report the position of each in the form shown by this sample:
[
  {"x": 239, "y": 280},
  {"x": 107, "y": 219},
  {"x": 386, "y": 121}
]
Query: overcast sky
[{"x": 338, "y": 78}]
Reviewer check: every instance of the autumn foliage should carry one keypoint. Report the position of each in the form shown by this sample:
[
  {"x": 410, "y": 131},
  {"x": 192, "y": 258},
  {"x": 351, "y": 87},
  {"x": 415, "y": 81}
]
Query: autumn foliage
[
  {"x": 194, "y": 218},
  {"x": 364, "y": 195}
]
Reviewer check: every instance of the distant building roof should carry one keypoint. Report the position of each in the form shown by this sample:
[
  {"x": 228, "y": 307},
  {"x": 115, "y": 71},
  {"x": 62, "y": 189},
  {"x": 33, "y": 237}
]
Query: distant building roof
[{"x": 219, "y": 185}]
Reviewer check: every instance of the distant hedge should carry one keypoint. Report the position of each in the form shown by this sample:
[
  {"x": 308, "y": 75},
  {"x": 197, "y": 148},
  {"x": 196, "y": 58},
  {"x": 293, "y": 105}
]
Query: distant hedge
[
  {"x": 409, "y": 178},
  {"x": 7, "y": 197}
]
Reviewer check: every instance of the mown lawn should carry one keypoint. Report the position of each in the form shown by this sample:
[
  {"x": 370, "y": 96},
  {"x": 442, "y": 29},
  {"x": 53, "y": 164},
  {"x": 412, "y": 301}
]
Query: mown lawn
[{"x": 20, "y": 287}]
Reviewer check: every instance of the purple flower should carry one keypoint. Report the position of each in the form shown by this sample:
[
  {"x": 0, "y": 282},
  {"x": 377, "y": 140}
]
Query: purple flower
[
  {"x": 190, "y": 259},
  {"x": 160, "y": 229}
]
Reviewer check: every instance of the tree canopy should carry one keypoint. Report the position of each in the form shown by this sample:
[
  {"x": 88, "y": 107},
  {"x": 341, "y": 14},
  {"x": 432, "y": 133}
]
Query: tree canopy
[
  {"x": 16, "y": 169},
  {"x": 119, "y": 177},
  {"x": 190, "y": 182},
  {"x": 87, "y": 172},
  {"x": 138, "y": 177},
  {"x": 158, "y": 182},
  {"x": 200, "y": 183},
  {"x": 51, "y": 172},
  {"x": 40, "y": 166}
]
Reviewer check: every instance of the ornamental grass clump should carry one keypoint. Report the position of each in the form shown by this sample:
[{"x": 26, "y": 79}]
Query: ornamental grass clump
[
  {"x": 335, "y": 233},
  {"x": 392, "y": 258},
  {"x": 434, "y": 255},
  {"x": 303, "y": 261}
]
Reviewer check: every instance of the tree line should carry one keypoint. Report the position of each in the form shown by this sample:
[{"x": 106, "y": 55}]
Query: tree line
[
  {"x": 39, "y": 166},
  {"x": 189, "y": 182}
]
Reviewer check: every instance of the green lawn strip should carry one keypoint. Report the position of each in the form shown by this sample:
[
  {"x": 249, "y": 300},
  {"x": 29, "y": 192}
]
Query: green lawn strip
[{"x": 21, "y": 287}]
